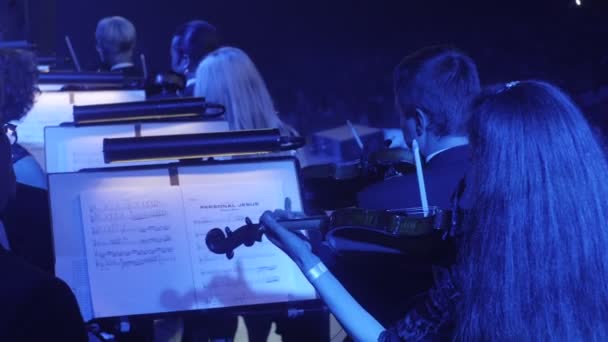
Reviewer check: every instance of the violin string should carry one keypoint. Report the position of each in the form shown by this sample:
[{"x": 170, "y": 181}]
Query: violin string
[{"x": 414, "y": 210}]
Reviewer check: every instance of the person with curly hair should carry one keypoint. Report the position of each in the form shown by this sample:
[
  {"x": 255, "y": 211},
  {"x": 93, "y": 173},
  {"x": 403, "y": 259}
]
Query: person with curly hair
[
  {"x": 36, "y": 306},
  {"x": 18, "y": 91},
  {"x": 18, "y": 83}
]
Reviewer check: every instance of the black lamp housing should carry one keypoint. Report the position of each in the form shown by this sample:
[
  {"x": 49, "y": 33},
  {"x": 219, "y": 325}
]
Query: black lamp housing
[
  {"x": 171, "y": 109},
  {"x": 191, "y": 146}
]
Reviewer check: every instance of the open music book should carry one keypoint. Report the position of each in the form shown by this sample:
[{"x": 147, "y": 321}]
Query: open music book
[{"x": 144, "y": 248}]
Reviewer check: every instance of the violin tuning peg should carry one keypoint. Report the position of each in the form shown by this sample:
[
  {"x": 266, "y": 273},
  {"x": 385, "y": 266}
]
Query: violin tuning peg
[
  {"x": 230, "y": 255},
  {"x": 228, "y": 231},
  {"x": 248, "y": 221}
]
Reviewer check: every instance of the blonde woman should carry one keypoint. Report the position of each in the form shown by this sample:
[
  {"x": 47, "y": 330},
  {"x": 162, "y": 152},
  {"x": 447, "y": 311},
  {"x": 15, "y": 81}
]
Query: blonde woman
[{"x": 228, "y": 76}]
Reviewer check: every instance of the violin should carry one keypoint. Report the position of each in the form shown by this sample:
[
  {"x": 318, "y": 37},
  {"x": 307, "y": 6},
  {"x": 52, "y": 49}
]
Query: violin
[
  {"x": 166, "y": 84},
  {"x": 405, "y": 231},
  {"x": 393, "y": 161},
  {"x": 335, "y": 186}
]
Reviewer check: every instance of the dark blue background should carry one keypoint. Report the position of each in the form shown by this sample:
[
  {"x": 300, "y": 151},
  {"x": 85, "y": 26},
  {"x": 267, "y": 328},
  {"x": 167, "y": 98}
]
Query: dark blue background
[{"x": 326, "y": 61}]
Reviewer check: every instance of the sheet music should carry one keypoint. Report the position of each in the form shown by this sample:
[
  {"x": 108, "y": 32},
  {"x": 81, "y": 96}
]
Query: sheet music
[
  {"x": 86, "y": 98},
  {"x": 259, "y": 274},
  {"x": 82, "y": 152},
  {"x": 54, "y": 108},
  {"x": 137, "y": 251},
  {"x": 87, "y": 152},
  {"x": 154, "y": 129}
]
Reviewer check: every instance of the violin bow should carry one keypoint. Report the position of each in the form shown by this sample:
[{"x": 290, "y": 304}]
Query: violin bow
[{"x": 420, "y": 176}]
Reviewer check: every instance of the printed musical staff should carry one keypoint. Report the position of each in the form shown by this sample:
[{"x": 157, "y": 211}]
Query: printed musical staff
[{"x": 134, "y": 238}]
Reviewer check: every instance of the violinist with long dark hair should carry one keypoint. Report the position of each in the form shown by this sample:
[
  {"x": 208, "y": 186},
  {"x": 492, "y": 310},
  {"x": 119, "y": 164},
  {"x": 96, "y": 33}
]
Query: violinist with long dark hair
[{"x": 532, "y": 257}]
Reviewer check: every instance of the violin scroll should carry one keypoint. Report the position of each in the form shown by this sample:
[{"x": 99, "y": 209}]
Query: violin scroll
[
  {"x": 225, "y": 243},
  {"x": 220, "y": 242}
]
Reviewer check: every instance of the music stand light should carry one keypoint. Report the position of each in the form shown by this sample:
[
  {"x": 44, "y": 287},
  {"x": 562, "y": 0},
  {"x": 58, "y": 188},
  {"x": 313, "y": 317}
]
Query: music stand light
[
  {"x": 197, "y": 146},
  {"x": 158, "y": 110}
]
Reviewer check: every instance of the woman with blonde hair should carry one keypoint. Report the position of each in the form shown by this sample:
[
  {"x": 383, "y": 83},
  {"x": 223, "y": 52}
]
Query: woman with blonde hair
[{"x": 228, "y": 76}]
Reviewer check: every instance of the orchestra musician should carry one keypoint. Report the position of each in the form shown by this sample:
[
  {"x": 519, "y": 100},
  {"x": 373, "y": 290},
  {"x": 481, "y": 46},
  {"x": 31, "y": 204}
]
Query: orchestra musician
[
  {"x": 229, "y": 76},
  {"x": 116, "y": 38},
  {"x": 532, "y": 253},
  {"x": 434, "y": 88},
  {"x": 36, "y": 306},
  {"x": 29, "y": 235},
  {"x": 191, "y": 42}
]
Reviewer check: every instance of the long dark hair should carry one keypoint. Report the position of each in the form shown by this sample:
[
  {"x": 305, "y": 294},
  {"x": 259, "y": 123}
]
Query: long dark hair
[{"x": 535, "y": 264}]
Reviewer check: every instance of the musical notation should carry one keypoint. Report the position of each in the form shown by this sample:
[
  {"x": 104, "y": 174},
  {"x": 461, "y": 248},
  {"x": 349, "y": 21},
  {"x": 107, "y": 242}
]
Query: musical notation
[
  {"x": 133, "y": 252},
  {"x": 123, "y": 241},
  {"x": 154, "y": 240},
  {"x": 136, "y": 247},
  {"x": 250, "y": 275},
  {"x": 131, "y": 230},
  {"x": 98, "y": 216},
  {"x": 124, "y": 228},
  {"x": 123, "y": 264}
]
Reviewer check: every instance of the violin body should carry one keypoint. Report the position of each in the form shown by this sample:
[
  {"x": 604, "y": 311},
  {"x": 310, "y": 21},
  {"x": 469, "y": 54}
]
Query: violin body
[
  {"x": 336, "y": 185},
  {"x": 407, "y": 232}
]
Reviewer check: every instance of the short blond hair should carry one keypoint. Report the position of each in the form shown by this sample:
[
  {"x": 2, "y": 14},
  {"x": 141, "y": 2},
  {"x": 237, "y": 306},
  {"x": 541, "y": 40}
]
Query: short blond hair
[{"x": 115, "y": 36}]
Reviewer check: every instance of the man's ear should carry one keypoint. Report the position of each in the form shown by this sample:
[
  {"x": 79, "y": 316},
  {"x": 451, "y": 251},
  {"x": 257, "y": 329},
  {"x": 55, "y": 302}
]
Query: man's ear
[
  {"x": 422, "y": 121},
  {"x": 185, "y": 63}
]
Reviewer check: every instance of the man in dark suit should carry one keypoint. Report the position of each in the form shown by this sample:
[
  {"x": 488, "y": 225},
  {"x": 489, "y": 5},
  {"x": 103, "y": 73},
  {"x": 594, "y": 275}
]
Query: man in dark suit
[{"x": 434, "y": 88}]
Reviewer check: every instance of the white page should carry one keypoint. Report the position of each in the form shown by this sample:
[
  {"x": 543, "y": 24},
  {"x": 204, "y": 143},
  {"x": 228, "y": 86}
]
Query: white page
[
  {"x": 87, "y": 98},
  {"x": 50, "y": 109},
  {"x": 137, "y": 251},
  {"x": 258, "y": 274},
  {"x": 82, "y": 152},
  {"x": 191, "y": 127}
]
